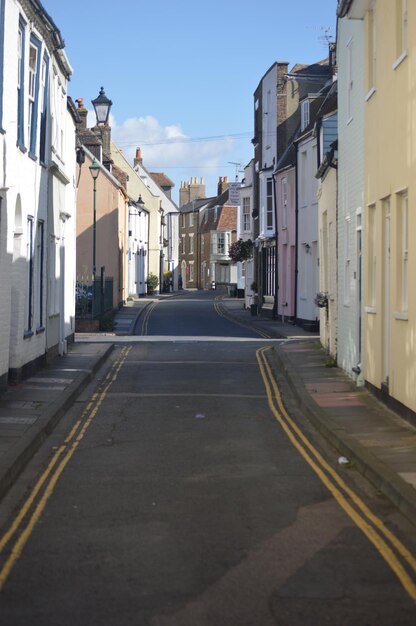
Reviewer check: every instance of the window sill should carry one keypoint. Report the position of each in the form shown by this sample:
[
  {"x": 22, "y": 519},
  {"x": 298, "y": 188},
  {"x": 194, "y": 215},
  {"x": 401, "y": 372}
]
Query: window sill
[
  {"x": 399, "y": 60},
  {"x": 401, "y": 315},
  {"x": 370, "y": 309},
  {"x": 370, "y": 94}
]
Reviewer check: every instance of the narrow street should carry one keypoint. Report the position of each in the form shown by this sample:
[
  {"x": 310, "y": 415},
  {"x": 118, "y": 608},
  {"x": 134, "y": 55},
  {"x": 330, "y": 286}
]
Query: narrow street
[{"x": 171, "y": 495}]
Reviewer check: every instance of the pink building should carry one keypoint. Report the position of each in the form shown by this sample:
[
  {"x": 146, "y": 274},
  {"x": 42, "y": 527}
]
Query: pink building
[{"x": 285, "y": 195}]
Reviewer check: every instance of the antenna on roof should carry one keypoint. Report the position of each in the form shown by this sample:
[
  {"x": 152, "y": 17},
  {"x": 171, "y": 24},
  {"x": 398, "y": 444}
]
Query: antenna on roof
[
  {"x": 236, "y": 165},
  {"x": 326, "y": 38}
]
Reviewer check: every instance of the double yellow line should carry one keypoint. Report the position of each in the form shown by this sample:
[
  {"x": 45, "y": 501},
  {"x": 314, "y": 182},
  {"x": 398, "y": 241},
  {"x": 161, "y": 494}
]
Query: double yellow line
[
  {"x": 398, "y": 557},
  {"x": 147, "y": 314},
  {"x": 28, "y": 516},
  {"x": 221, "y": 310}
]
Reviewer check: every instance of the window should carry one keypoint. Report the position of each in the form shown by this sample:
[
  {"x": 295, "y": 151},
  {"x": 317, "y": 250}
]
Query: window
[
  {"x": 29, "y": 262},
  {"x": 58, "y": 113},
  {"x": 39, "y": 273},
  {"x": 284, "y": 202},
  {"x": 350, "y": 81},
  {"x": 20, "y": 83},
  {"x": 372, "y": 257},
  {"x": 347, "y": 263},
  {"x": 33, "y": 92},
  {"x": 269, "y": 203},
  {"x": 221, "y": 243},
  {"x": 183, "y": 220},
  {"x": 246, "y": 215},
  {"x": 191, "y": 271},
  {"x": 401, "y": 30},
  {"x": 202, "y": 244},
  {"x": 43, "y": 108},
  {"x": 191, "y": 219},
  {"x": 191, "y": 244},
  {"x": 304, "y": 114},
  {"x": 402, "y": 252},
  {"x": 183, "y": 242}
]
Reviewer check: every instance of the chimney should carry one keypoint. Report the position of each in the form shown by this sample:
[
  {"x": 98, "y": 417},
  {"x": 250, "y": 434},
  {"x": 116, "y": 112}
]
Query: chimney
[
  {"x": 281, "y": 105},
  {"x": 83, "y": 113},
  {"x": 222, "y": 184},
  {"x": 138, "y": 158}
]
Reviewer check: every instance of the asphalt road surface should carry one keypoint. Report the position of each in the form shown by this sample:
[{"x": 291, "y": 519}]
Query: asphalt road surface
[{"x": 172, "y": 495}]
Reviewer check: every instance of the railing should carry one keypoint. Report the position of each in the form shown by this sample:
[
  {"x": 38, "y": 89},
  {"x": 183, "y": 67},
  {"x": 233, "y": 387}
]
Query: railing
[{"x": 93, "y": 299}]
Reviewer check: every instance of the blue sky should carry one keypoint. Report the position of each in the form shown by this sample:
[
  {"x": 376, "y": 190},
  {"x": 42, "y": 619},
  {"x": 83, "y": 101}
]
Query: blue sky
[{"x": 182, "y": 74}]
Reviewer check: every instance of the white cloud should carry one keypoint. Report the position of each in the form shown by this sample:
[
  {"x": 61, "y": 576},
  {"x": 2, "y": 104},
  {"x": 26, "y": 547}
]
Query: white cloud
[{"x": 168, "y": 146}]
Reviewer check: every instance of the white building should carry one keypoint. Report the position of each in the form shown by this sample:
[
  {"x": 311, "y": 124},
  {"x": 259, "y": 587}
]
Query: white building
[
  {"x": 169, "y": 220},
  {"x": 307, "y": 314},
  {"x": 245, "y": 232},
  {"x": 350, "y": 53},
  {"x": 37, "y": 191}
]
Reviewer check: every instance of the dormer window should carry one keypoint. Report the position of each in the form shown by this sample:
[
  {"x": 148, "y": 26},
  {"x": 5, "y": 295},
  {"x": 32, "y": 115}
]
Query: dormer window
[{"x": 304, "y": 115}]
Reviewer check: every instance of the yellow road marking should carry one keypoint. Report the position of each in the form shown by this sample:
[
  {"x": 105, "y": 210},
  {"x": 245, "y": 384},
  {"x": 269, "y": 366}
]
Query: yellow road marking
[
  {"x": 72, "y": 441},
  {"x": 222, "y": 312},
  {"x": 303, "y": 445},
  {"x": 147, "y": 314}
]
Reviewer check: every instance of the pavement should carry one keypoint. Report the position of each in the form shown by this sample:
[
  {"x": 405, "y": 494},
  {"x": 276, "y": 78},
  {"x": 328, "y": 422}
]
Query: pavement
[{"x": 376, "y": 441}]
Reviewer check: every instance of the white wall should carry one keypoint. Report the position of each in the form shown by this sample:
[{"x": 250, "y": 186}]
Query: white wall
[
  {"x": 350, "y": 186},
  {"x": 28, "y": 192}
]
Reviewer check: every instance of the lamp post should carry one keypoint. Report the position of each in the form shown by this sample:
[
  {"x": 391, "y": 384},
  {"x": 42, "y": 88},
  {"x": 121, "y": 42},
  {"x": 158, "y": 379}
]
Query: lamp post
[{"x": 95, "y": 170}]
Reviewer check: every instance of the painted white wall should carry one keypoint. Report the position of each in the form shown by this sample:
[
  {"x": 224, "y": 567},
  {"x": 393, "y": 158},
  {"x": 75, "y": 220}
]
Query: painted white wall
[
  {"x": 29, "y": 189},
  {"x": 350, "y": 49},
  {"x": 169, "y": 207}
]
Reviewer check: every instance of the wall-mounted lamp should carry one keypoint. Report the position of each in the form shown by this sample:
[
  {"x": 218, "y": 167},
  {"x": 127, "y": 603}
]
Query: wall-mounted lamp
[
  {"x": 80, "y": 156},
  {"x": 139, "y": 205}
]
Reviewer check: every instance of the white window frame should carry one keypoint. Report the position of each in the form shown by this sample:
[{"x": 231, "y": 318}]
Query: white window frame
[
  {"x": 372, "y": 258},
  {"x": 246, "y": 214},
  {"x": 402, "y": 203},
  {"x": 304, "y": 114}
]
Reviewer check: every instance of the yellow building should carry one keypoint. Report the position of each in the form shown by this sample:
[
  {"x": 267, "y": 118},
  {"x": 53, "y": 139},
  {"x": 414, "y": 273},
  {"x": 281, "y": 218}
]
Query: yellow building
[
  {"x": 390, "y": 195},
  {"x": 137, "y": 187}
]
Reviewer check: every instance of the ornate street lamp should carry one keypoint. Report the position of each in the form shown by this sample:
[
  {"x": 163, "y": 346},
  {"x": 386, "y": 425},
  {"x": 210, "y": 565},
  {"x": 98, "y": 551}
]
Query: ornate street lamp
[
  {"x": 102, "y": 106},
  {"x": 95, "y": 170}
]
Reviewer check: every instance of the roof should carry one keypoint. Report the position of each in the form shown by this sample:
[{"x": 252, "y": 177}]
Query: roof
[
  {"x": 161, "y": 179},
  {"x": 288, "y": 157},
  {"x": 194, "y": 205}
]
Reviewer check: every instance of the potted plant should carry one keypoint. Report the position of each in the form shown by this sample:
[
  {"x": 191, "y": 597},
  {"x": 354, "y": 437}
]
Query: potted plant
[
  {"x": 321, "y": 299},
  {"x": 152, "y": 283}
]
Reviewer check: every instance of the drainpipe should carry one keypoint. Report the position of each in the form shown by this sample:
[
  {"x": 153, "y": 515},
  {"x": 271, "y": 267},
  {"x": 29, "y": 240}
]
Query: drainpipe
[
  {"x": 295, "y": 312},
  {"x": 276, "y": 257}
]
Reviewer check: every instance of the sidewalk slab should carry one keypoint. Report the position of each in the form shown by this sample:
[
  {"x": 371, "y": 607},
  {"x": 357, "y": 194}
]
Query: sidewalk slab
[
  {"x": 380, "y": 444},
  {"x": 30, "y": 410}
]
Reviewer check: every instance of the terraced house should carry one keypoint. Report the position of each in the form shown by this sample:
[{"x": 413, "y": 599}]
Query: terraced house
[{"x": 37, "y": 190}]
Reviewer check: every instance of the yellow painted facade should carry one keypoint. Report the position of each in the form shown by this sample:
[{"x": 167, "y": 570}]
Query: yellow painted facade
[
  {"x": 390, "y": 196},
  {"x": 135, "y": 188}
]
